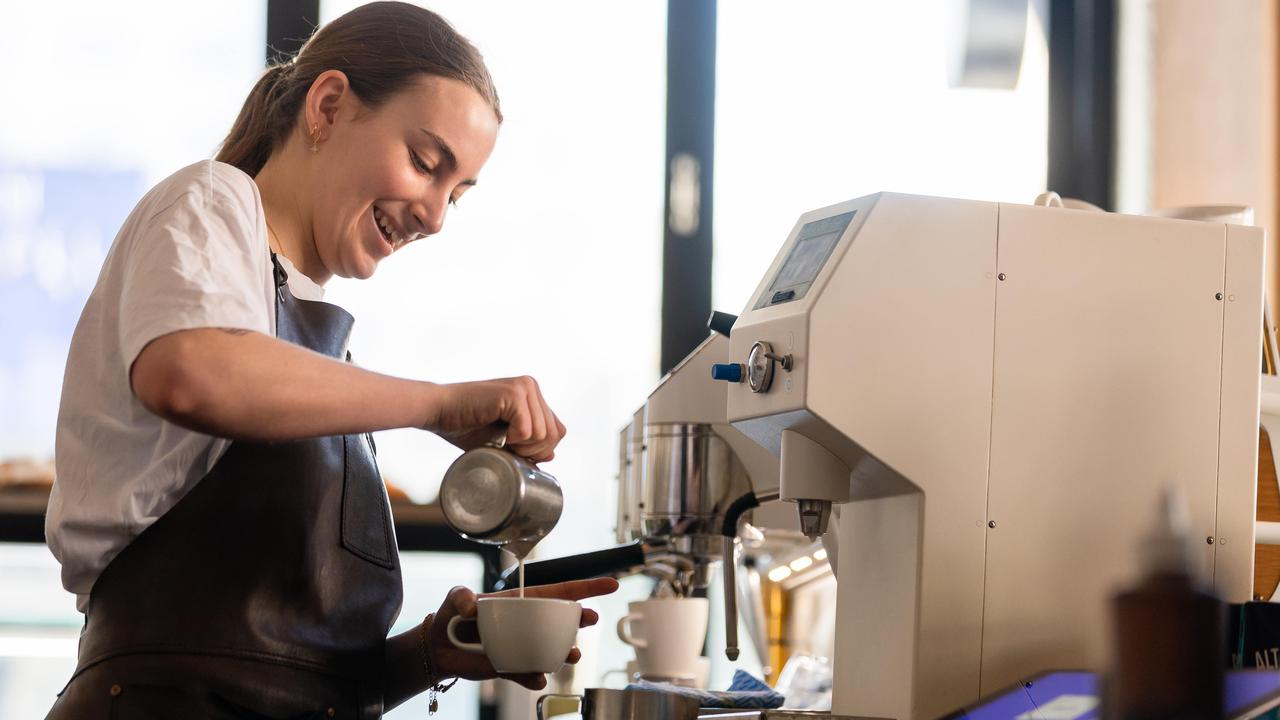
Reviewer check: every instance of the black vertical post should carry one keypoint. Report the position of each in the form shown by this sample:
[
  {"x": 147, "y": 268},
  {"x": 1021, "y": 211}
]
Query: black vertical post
[
  {"x": 1082, "y": 91},
  {"x": 289, "y": 24},
  {"x": 686, "y": 247}
]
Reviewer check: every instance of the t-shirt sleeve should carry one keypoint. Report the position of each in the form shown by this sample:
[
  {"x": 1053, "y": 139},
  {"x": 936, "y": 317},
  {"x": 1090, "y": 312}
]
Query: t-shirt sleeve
[{"x": 198, "y": 263}]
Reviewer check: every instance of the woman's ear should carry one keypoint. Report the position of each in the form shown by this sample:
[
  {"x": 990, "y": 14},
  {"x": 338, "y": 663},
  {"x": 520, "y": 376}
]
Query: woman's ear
[{"x": 330, "y": 91}]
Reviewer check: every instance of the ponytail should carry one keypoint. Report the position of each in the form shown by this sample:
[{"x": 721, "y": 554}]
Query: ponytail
[
  {"x": 255, "y": 131},
  {"x": 382, "y": 48}
]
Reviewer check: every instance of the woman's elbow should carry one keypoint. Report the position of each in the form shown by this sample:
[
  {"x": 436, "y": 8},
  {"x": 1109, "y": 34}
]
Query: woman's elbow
[{"x": 169, "y": 379}]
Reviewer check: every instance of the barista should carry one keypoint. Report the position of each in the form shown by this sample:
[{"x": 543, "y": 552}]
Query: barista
[{"x": 218, "y": 511}]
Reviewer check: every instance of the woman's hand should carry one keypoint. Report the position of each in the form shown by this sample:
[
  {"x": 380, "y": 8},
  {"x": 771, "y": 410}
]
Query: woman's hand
[
  {"x": 449, "y": 661},
  {"x": 472, "y": 413}
]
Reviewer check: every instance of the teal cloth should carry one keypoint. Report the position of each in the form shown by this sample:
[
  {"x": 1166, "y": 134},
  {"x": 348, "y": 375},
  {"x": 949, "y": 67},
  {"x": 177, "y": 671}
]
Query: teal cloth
[{"x": 746, "y": 691}]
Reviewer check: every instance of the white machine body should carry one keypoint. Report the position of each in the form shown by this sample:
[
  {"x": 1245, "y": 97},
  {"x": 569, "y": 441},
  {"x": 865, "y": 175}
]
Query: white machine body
[{"x": 998, "y": 393}]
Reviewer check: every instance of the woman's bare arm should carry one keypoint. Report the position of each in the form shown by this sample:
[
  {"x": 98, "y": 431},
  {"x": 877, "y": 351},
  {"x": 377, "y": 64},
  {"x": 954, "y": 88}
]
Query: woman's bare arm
[{"x": 249, "y": 386}]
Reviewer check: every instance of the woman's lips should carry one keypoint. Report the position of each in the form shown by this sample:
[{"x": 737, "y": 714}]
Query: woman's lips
[{"x": 387, "y": 244}]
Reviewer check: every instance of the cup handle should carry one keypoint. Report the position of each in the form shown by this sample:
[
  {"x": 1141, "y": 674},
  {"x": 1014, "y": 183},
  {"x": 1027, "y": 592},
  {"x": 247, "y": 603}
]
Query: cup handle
[
  {"x": 453, "y": 638},
  {"x": 557, "y": 706},
  {"x": 624, "y": 632}
]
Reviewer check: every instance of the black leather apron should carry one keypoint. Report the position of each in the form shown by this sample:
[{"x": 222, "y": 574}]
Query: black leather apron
[{"x": 267, "y": 591}]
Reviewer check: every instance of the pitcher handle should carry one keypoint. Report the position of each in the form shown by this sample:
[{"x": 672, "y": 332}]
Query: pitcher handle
[{"x": 554, "y": 707}]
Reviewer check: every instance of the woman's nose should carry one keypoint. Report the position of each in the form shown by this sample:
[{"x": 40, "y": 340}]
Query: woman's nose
[{"x": 428, "y": 214}]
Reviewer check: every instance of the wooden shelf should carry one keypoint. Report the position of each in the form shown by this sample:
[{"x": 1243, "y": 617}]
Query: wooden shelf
[{"x": 418, "y": 527}]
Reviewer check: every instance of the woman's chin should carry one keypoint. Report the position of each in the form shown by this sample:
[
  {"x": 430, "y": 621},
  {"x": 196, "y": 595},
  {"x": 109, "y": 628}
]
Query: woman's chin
[
  {"x": 359, "y": 268},
  {"x": 365, "y": 270}
]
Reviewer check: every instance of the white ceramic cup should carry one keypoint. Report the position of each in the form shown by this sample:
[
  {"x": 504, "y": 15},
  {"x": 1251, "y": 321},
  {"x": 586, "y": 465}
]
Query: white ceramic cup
[
  {"x": 668, "y": 634},
  {"x": 1233, "y": 214},
  {"x": 522, "y": 635}
]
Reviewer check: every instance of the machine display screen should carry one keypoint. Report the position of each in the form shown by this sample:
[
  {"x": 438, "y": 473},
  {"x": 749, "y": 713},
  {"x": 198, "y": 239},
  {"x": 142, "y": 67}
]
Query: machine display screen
[
  {"x": 809, "y": 253},
  {"x": 1074, "y": 695}
]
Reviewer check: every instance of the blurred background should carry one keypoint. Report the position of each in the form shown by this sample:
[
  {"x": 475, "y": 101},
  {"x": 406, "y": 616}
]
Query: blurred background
[{"x": 654, "y": 157}]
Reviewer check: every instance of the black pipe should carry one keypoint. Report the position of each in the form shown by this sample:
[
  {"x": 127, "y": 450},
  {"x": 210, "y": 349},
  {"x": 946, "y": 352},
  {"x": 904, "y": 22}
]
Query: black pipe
[
  {"x": 735, "y": 511},
  {"x": 575, "y": 567}
]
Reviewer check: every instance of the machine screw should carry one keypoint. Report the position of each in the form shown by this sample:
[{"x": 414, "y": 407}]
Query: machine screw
[
  {"x": 991, "y": 524},
  {"x": 1209, "y": 540},
  {"x": 1218, "y": 296},
  {"x": 1001, "y": 276}
]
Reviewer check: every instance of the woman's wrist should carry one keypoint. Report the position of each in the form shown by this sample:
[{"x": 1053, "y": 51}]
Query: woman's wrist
[
  {"x": 426, "y": 401},
  {"x": 405, "y": 674},
  {"x": 431, "y": 669},
  {"x": 430, "y": 675}
]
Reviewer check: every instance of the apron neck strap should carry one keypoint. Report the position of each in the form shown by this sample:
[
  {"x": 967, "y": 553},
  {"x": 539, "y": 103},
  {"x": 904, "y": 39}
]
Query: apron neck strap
[{"x": 277, "y": 269}]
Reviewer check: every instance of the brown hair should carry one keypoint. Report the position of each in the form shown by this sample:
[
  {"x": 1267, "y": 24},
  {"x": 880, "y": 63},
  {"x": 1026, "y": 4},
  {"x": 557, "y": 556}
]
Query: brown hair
[{"x": 382, "y": 47}]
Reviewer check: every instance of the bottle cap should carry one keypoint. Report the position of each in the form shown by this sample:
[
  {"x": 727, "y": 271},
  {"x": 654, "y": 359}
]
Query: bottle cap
[{"x": 1167, "y": 548}]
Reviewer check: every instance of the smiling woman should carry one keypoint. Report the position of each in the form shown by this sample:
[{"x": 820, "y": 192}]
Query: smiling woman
[
  {"x": 217, "y": 496},
  {"x": 407, "y": 124},
  {"x": 386, "y": 177}
]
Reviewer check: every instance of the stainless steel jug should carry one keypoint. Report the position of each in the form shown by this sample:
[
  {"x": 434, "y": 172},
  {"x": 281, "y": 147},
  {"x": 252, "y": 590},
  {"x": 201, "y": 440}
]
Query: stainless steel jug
[
  {"x": 609, "y": 704},
  {"x": 493, "y": 496}
]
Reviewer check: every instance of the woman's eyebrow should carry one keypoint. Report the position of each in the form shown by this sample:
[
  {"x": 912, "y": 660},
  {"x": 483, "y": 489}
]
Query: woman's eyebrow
[{"x": 449, "y": 158}]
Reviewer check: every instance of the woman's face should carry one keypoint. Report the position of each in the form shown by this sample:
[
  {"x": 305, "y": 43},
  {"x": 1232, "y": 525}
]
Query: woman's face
[{"x": 387, "y": 176}]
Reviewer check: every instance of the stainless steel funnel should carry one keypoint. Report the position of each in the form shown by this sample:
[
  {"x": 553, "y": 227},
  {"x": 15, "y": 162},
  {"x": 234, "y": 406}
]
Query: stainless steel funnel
[{"x": 691, "y": 480}]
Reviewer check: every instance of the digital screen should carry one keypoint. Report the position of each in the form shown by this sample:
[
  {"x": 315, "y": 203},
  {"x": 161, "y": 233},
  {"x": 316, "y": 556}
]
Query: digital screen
[
  {"x": 804, "y": 261},
  {"x": 809, "y": 253},
  {"x": 1074, "y": 696}
]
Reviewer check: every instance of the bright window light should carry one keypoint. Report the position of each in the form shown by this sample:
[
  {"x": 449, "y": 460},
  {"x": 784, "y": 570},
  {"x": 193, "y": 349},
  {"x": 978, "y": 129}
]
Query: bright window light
[
  {"x": 850, "y": 99},
  {"x": 33, "y": 647},
  {"x": 780, "y": 573},
  {"x": 801, "y": 563},
  {"x": 551, "y": 266}
]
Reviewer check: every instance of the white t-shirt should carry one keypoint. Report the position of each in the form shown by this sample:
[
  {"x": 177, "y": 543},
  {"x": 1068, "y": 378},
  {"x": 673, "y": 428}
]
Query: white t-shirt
[{"x": 192, "y": 254}]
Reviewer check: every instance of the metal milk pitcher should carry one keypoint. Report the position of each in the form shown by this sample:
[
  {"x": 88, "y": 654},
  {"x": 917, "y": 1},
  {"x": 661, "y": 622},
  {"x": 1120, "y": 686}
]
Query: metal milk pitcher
[{"x": 495, "y": 497}]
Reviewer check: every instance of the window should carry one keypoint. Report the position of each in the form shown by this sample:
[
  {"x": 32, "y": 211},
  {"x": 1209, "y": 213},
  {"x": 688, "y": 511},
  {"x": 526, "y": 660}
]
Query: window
[
  {"x": 551, "y": 266},
  {"x": 121, "y": 95},
  {"x": 830, "y": 101},
  {"x": 112, "y": 97}
]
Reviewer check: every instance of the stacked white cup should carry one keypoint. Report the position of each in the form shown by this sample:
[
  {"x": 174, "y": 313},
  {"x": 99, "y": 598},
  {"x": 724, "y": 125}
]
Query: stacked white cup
[{"x": 668, "y": 635}]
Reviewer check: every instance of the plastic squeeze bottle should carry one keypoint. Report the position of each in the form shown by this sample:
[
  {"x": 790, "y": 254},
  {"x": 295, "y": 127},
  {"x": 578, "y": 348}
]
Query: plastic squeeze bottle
[{"x": 1168, "y": 656}]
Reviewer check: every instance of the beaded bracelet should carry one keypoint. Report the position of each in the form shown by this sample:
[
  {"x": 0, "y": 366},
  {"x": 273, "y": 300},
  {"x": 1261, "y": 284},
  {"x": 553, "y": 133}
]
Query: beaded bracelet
[{"x": 438, "y": 688}]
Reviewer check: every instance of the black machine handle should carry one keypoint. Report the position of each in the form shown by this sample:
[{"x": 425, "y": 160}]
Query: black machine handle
[
  {"x": 575, "y": 567},
  {"x": 721, "y": 322}
]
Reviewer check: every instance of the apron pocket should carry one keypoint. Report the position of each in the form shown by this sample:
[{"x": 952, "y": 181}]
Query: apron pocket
[
  {"x": 161, "y": 702},
  {"x": 366, "y": 513},
  {"x": 166, "y": 702}
]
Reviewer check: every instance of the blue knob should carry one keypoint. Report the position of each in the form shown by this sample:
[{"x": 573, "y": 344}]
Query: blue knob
[{"x": 729, "y": 372}]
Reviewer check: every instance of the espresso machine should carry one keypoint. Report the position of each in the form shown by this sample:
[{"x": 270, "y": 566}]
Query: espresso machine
[
  {"x": 699, "y": 474},
  {"x": 974, "y": 404},
  {"x": 686, "y": 481}
]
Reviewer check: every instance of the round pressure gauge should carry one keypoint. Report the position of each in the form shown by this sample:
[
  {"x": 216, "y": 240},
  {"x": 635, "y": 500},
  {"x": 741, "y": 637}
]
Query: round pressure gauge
[{"x": 760, "y": 367}]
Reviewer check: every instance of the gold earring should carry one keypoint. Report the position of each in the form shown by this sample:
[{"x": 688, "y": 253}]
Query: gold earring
[{"x": 315, "y": 138}]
